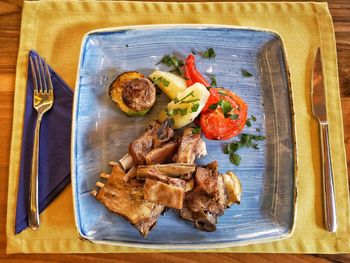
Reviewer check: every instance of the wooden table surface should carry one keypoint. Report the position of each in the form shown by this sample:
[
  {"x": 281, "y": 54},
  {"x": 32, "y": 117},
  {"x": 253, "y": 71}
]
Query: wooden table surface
[{"x": 10, "y": 20}]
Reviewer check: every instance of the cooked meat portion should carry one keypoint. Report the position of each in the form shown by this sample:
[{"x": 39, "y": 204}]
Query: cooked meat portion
[
  {"x": 154, "y": 135},
  {"x": 189, "y": 141},
  {"x": 165, "y": 194},
  {"x": 162, "y": 154},
  {"x": 162, "y": 189},
  {"x": 139, "y": 94},
  {"x": 207, "y": 201},
  {"x": 164, "y": 133},
  {"x": 171, "y": 169},
  {"x": 126, "y": 199},
  {"x": 157, "y": 175}
]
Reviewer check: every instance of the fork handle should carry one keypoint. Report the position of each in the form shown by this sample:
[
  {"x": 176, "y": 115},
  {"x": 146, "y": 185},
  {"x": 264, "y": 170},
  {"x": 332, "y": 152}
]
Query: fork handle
[
  {"x": 33, "y": 215},
  {"x": 328, "y": 181}
]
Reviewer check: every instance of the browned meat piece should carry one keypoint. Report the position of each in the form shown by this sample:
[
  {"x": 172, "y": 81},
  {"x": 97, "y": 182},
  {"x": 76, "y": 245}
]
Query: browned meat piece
[
  {"x": 154, "y": 135},
  {"x": 171, "y": 169},
  {"x": 162, "y": 189},
  {"x": 156, "y": 175},
  {"x": 126, "y": 199},
  {"x": 139, "y": 94},
  {"x": 164, "y": 133},
  {"x": 213, "y": 166},
  {"x": 159, "y": 192},
  {"x": 189, "y": 141},
  {"x": 207, "y": 201},
  {"x": 162, "y": 154}
]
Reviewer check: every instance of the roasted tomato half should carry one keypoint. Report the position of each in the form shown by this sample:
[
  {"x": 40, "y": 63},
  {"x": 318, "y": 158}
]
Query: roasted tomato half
[{"x": 224, "y": 115}]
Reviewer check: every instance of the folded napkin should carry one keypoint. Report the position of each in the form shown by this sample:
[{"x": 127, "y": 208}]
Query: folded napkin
[{"x": 54, "y": 149}]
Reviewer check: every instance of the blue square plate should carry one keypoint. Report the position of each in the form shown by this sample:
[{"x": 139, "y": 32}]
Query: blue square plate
[{"x": 101, "y": 133}]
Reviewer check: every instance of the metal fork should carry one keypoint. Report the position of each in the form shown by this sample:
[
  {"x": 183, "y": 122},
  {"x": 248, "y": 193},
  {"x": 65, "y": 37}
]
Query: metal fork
[{"x": 42, "y": 102}]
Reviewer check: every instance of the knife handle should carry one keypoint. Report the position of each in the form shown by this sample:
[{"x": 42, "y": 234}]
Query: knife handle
[{"x": 328, "y": 181}]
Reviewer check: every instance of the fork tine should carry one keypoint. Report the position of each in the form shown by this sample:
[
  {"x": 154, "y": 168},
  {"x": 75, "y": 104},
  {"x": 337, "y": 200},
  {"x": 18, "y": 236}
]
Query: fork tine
[
  {"x": 40, "y": 87},
  {"x": 35, "y": 82},
  {"x": 43, "y": 76},
  {"x": 48, "y": 77}
]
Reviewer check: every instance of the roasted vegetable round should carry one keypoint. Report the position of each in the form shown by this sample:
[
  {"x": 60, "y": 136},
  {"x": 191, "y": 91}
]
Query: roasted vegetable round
[{"x": 134, "y": 94}]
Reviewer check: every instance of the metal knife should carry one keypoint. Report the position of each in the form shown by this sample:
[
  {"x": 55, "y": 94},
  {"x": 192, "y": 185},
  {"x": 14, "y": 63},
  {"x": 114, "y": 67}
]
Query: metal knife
[{"x": 318, "y": 98}]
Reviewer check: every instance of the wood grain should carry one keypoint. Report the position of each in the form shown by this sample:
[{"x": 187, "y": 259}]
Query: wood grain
[{"x": 10, "y": 19}]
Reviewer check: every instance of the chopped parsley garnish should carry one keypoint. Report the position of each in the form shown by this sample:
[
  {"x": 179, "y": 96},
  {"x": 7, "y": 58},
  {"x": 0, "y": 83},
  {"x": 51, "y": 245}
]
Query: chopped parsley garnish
[
  {"x": 248, "y": 123},
  {"x": 226, "y": 107},
  {"x": 247, "y": 141},
  {"x": 209, "y": 53},
  {"x": 235, "y": 159},
  {"x": 213, "y": 80},
  {"x": 189, "y": 101},
  {"x": 214, "y": 106},
  {"x": 194, "y": 107},
  {"x": 126, "y": 45},
  {"x": 172, "y": 62},
  {"x": 161, "y": 80},
  {"x": 176, "y": 100},
  {"x": 183, "y": 111},
  {"x": 196, "y": 130},
  {"x": 258, "y": 129},
  {"x": 246, "y": 73},
  {"x": 234, "y": 117},
  {"x": 172, "y": 112}
]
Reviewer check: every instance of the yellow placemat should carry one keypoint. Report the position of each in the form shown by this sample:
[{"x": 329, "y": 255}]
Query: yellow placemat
[{"x": 55, "y": 30}]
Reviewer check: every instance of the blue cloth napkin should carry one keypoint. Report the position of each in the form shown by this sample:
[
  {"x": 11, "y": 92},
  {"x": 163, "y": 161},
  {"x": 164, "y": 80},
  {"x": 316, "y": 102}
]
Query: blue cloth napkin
[{"x": 54, "y": 149}]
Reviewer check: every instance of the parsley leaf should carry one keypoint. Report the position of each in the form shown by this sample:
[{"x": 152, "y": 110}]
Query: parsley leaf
[
  {"x": 235, "y": 159},
  {"x": 196, "y": 130},
  {"x": 247, "y": 140},
  {"x": 225, "y": 106},
  {"x": 214, "y": 106},
  {"x": 234, "y": 117},
  {"x": 161, "y": 80},
  {"x": 172, "y": 62},
  {"x": 194, "y": 107},
  {"x": 183, "y": 111},
  {"x": 253, "y": 117},
  {"x": 248, "y": 123},
  {"x": 209, "y": 53},
  {"x": 258, "y": 129},
  {"x": 258, "y": 137},
  {"x": 213, "y": 80},
  {"x": 246, "y": 73}
]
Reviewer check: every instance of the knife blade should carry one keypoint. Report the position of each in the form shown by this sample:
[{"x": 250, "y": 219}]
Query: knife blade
[{"x": 318, "y": 97}]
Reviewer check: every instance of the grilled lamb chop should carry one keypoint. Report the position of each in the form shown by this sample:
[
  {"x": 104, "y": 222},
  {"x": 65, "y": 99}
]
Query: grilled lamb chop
[
  {"x": 126, "y": 199},
  {"x": 170, "y": 169},
  {"x": 154, "y": 136},
  {"x": 187, "y": 148},
  {"x": 162, "y": 189},
  {"x": 162, "y": 154},
  {"x": 207, "y": 201}
]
